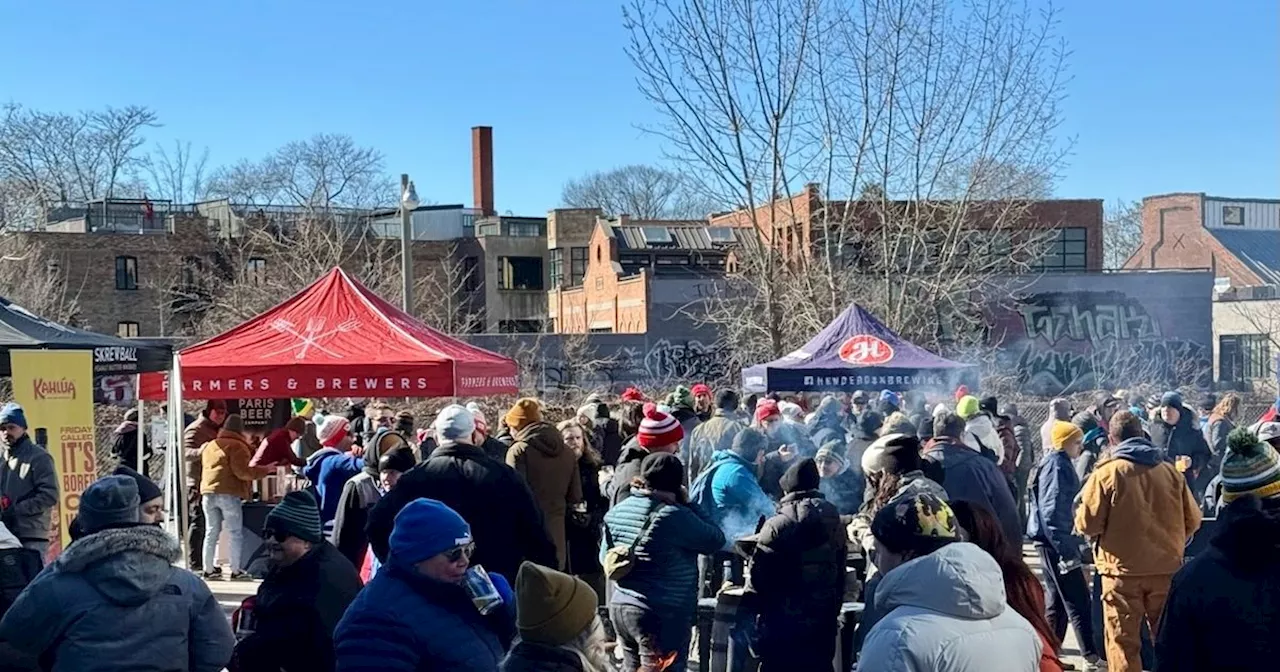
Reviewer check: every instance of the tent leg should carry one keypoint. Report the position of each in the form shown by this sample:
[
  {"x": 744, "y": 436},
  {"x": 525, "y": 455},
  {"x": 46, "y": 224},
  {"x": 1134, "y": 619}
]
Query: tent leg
[{"x": 143, "y": 426}]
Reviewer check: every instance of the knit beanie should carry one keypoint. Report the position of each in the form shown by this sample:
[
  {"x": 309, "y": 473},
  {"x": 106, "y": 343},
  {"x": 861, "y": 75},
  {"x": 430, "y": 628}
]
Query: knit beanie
[
  {"x": 333, "y": 431},
  {"x": 303, "y": 408},
  {"x": 898, "y": 423},
  {"x": 552, "y": 608},
  {"x": 632, "y": 394},
  {"x": 890, "y": 398},
  {"x": 803, "y": 475},
  {"x": 297, "y": 515},
  {"x": 397, "y": 459},
  {"x": 297, "y": 424},
  {"x": 1063, "y": 432},
  {"x": 894, "y": 453},
  {"x": 454, "y": 424},
  {"x": 681, "y": 396},
  {"x": 790, "y": 410},
  {"x": 967, "y": 407},
  {"x": 1251, "y": 467},
  {"x": 110, "y": 501},
  {"x": 234, "y": 423},
  {"x": 1267, "y": 431},
  {"x": 765, "y": 409},
  {"x": 658, "y": 429},
  {"x": 922, "y": 523},
  {"x": 524, "y": 413},
  {"x": 147, "y": 488},
  {"x": 424, "y": 529},
  {"x": 989, "y": 405},
  {"x": 12, "y": 414},
  {"x": 962, "y": 392},
  {"x": 832, "y": 451},
  {"x": 662, "y": 471}
]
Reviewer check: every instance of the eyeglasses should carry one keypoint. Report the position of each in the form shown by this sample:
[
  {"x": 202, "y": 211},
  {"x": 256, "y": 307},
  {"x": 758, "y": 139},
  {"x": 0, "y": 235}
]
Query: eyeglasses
[{"x": 457, "y": 554}]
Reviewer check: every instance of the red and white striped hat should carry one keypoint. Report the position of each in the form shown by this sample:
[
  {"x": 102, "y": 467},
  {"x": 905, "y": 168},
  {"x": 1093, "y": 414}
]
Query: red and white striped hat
[{"x": 659, "y": 429}]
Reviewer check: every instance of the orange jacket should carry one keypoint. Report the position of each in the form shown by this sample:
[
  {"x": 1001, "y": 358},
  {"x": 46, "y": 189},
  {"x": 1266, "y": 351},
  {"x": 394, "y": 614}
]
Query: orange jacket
[{"x": 1138, "y": 512}]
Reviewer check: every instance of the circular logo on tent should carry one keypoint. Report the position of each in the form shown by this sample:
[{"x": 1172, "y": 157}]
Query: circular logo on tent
[{"x": 865, "y": 350}]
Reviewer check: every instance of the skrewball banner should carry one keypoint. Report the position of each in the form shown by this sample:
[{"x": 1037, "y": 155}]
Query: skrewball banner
[{"x": 55, "y": 387}]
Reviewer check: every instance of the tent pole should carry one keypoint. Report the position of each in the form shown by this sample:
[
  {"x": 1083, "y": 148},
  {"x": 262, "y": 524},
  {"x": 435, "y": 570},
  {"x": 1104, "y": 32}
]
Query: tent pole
[
  {"x": 178, "y": 478},
  {"x": 143, "y": 426}
]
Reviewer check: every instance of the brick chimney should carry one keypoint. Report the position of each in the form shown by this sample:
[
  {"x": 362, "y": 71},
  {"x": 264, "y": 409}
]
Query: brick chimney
[{"x": 482, "y": 168}]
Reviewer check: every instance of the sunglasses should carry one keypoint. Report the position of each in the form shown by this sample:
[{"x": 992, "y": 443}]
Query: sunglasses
[
  {"x": 280, "y": 537},
  {"x": 457, "y": 554}
]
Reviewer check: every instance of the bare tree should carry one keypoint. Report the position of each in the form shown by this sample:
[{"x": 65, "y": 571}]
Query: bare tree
[
  {"x": 323, "y": 172},
  {"x": 51, "y": 157},
  {"x": 447, "y": 297},
  {"x": 644, "y": 192},
  {"x": 929, "y": 127},
  {"x": 37, "y": 278},
  {"x": 1121, "y": 232},
  {"x": 179, "y": 175}
]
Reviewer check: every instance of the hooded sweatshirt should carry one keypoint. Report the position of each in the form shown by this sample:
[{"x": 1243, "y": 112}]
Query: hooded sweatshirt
[
  {"x": 329, "y": 470},
  {"x": 946, "y": 612},
  {"x": 551, "y": 469},
  {"x": 359, "y": 494},
  {"x": 114, "y": 601}
]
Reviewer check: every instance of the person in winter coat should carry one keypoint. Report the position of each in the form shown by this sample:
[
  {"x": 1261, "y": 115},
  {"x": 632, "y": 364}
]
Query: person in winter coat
[
  {"x": 1175, "y": 432},
  {"x": 115, "y": 602},
  {"x": 556, "y": 619},
  {"x": 277, "y": 449},
  {"x": 1053, "y": 493},
  {"x": 980, "y": 429},
  {"x": 1059, "y": 410},
  {"x": 551, "y": 469},
  {"x": 226, "y": 483},
  {"x": 150, "y": 511},
  {"x": 494, "y": 499},
  {"x": 658, "y": 433},
  {"x": 842, "y": 485},
  {"x": 682, "y": 404},
  {"x": 733, "y": 498},
  {"x": 865, "y": 433},
  {"x": 714, "y": 434},
  {"x": 827, "y": 424},
  {"x": 1221, "y": 421},
  {"x": 797, "y": 575},
  {"x": 976, "y": 480},
  {"x": 28, "y": 482},
  {"x": 330, "y": 468},
  {"x": 198, "y": 432},
  {"x": 1028, "y": 456},
  {"x": 1021, "y": 587},
  {"x": 360, "y": 493},
  {"x": 416, "y": 614},
  {"x": 1223, "y": 608},
  {"x": 788, "y": 442},
  {"x": 944, "y": 599},
  {"x": 1138, "y": 513},
  {"x": 308, "y": 587},
  {"x": 583, "y": 525},
  {"x": 1095, "y": 441},
  {"x": 652, "y": 608},
  {"x": 124, "y": 441}
]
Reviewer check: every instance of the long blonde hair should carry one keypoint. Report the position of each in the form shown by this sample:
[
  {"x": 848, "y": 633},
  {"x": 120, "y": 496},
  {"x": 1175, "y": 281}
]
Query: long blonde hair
[
  {"x": 1227, "y": 406},
  {"x": 588, "y": 646}
]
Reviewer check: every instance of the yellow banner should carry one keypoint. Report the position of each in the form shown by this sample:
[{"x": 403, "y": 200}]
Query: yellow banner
[{"x": 55, "y": 387}]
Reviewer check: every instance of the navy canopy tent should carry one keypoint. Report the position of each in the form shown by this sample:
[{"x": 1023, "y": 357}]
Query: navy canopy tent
[
  {"x": 857, "y": 352},
  {"x": 21, "y": 329}
]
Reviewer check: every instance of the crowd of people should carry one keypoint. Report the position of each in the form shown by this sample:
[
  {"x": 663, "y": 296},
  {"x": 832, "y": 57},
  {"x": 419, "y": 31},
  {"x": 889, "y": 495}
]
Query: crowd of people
[{"x": 585, "y": 545}]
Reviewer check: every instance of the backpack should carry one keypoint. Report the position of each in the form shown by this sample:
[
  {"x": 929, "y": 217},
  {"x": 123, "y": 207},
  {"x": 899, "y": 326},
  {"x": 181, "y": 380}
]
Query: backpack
[
  {"x": 702, "y": 495},
  {"x": 1010, "y": 445}
]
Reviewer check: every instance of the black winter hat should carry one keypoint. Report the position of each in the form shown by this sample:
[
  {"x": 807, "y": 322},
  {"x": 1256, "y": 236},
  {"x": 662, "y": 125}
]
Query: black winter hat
[
  {"x": 802, "y": 475},
  {"x": 662, "y": 471},
  {"x": 147, "y": 488},
  {"x": 989, "y": 405},
  {"x": 399, "y": 459}
]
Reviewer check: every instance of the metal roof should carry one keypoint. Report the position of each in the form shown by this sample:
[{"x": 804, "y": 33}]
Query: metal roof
[
  {"x": 683, "y": 236},
  {"x": 1258, "y": 249}
]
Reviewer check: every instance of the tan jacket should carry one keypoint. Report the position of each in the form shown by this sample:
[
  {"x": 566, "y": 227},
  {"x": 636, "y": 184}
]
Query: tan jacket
[
  {"x": 551, "y": 469},
  {"x": 1138, "y": 512},
  {"x": 225, "y": 467}
]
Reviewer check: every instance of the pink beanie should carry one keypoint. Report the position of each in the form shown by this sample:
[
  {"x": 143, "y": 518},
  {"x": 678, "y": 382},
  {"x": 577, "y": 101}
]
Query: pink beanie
[{"x": 659, "y": 429}]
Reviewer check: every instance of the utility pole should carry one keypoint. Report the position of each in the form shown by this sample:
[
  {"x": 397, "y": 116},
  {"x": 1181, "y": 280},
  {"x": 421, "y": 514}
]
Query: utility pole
[{"x": 408, "y": 202}]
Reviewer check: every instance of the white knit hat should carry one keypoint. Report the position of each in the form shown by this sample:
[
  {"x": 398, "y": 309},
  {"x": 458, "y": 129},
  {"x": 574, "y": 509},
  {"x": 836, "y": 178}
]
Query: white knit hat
[{"x": 454, "y": 424}]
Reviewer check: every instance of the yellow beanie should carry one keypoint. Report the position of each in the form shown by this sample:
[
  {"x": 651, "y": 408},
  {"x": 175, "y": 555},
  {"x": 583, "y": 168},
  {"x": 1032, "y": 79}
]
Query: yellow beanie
[
  {"x": 525, "y": 412},
  {"x": 1063, "y": 432},
  {"x": 552, "y": 607},
  {"x": 967, "y": 407}
]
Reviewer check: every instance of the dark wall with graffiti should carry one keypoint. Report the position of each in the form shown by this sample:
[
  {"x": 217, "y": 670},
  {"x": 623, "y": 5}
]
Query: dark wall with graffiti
[{"x": 1067, "y": 333}]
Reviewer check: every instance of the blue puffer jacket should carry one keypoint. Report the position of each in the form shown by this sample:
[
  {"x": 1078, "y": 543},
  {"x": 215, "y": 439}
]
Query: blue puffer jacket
[
  {"x": 739, "y": 502},
  {"x": 329, "y": 470},
  {"x": 404, "y": 622},
  {"x": 665, "y": 575},
  {"x": 114, "y": 601},
  {"x": 1051, "y": 508},
  {"x": 970, "y": 477}
]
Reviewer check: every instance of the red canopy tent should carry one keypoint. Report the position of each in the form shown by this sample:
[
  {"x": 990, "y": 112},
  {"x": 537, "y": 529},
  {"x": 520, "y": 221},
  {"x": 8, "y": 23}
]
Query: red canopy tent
[{"x": 336, "y": 338}]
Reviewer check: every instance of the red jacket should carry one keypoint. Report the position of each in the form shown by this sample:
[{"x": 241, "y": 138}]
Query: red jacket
[{"x": 277, "y": 450}]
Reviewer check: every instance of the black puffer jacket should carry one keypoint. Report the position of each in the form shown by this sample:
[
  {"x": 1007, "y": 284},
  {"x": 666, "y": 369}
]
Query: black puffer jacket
[
  {"x": 797, "y": 575},
  {"x": 582, "y": 530},
  {"x": 297, "y": 609},
  {"x": 1223, "y": 609},
  {"x": 505, "y": 520},
  {"x": 628, "y": 468},
  {"x": 1184, "y": 438}
]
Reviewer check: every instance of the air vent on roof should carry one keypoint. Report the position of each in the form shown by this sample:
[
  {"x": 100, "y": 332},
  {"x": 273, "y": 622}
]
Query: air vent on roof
[
  {"x": 721, "y": 234},
  {"x": 655, "y": 234}
]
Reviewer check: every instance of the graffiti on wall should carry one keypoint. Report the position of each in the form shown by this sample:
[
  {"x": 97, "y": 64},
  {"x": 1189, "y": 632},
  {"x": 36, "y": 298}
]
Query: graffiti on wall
[{"x": 1070, "y": 340}]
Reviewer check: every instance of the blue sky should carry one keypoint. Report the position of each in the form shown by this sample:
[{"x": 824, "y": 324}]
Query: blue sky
[{"x": 1166, "y": 96}]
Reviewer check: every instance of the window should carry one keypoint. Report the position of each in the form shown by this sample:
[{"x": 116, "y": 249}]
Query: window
[
  {"x": 470, "y": 274},
  {"x": 127, "y": 329},
  {"x": 520, "y": 273},
  {"x": 557, "y": 267},
  {"x": 126, "y": 273},
  {"x": 631, "y": 264},
  {"x": 577, "y": 265},
  {"x": 1065, "y": 251},
  {"x": 524, "y": 228},
  {"x": 192, "y": 271},
  {"x": 255, "y": 271},
  {"x": 519, "y": 326},
  {"x": 655, "y": 234},
  {"x": 721, "y": 234},
  {"x": 1243, "y": 357},
  {"x": 1233, "y": 215}
]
